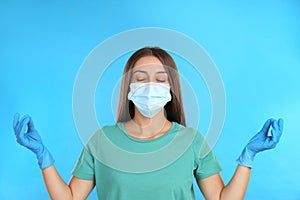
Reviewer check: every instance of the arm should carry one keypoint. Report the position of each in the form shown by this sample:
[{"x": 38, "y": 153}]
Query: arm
[
  {"x": 237, "y": 186},
  {"x": 213, "y": 186},
  {"x": 56, "y": 187}
]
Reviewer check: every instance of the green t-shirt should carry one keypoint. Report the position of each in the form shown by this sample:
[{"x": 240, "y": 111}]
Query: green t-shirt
[{"x": 126, "y": 168}]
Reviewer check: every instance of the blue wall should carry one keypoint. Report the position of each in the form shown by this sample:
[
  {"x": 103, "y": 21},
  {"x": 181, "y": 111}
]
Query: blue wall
[{"x": 255, "y": 45}]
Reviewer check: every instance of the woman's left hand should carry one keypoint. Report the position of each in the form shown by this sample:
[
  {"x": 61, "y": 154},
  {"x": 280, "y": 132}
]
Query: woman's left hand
[{"x": 261, "y": 141}]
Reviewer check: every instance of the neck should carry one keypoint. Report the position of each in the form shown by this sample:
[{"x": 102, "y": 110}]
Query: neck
[
  {"x": 144, "y": 122},
  {"x": 145, "y": 127}
]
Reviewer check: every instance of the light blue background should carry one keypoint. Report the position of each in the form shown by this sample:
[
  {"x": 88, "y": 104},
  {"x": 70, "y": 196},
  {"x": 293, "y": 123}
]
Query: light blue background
[{"x": 255, "y": 45}]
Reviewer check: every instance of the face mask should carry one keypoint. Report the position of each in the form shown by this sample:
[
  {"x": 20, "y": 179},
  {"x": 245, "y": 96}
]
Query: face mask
[{"x": 149, "y": 97}]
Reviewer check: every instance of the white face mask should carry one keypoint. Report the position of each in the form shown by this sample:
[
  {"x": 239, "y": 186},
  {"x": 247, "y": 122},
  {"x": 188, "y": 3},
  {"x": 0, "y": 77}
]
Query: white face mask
[{"x": 149, "y": 97}]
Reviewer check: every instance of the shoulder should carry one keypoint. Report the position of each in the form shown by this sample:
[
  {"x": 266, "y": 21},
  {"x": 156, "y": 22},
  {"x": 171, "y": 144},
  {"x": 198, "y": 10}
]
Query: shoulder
[
  {"x": 199, "y": 144},
  {"x": 193, "y": 134},
  {"x": 198, "y": 137},
  {"x": 100, "y": 141},
  {"x": 107, "y": 129},
  {"x": 101, "y": 134}
]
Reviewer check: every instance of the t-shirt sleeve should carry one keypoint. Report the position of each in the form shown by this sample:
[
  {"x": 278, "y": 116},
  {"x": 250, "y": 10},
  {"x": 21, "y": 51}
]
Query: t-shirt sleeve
[
  {"x": 84, "y": 168},
  {"x": 206, "y": 163}
]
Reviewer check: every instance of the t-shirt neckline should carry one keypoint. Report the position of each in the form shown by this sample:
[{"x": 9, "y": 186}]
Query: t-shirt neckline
[{"x": 121, "y": 126}]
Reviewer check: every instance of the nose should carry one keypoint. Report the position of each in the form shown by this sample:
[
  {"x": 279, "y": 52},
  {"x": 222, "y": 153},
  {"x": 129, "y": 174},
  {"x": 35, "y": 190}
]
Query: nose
[{"x": 152, "y": 78}]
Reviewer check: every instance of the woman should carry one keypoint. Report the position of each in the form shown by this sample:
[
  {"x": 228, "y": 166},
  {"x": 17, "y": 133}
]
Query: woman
[{"x": 150, "y": 116}]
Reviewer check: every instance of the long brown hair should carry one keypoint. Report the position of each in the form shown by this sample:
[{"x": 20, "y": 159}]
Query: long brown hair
[{"x": 174, "y": 108}]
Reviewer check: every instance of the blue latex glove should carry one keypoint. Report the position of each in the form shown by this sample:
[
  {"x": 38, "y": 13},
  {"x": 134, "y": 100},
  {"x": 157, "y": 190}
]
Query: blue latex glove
[
  {"x": 261, "y": 141},
  {"x": 28, "y": 137}
]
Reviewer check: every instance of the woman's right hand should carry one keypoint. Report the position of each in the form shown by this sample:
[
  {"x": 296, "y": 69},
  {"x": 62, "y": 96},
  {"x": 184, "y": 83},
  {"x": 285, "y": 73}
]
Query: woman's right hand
[{"x": 29, "y": 137}]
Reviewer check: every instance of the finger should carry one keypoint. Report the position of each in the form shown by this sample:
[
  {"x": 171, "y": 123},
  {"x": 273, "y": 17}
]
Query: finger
[
  {"x": 275, "y": 125},
  {"x": 276, "y": 132},
  {"x": 280, "y": 124},
  {"x": 274, "y": 137},
  {"x": 16, "y": 120},
  {"x": 20, "y": 125},
  {"x": 24, "y": 126},
  {"x": 30, "y": 125},
  {"x": 263, "y": 133},
  {"x": 266, "y": 126}
]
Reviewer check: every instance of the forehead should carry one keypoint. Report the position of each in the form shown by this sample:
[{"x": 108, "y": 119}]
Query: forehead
[{"x": 149, "y": 63}]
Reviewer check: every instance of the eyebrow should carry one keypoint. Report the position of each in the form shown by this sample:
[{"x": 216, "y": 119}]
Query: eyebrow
[{"x": 142, "y": 71}]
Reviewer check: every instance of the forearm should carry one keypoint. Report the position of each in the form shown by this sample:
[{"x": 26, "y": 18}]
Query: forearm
[
  {"x": 237, "y": 186},
  {"x": 55, "y": 185}
]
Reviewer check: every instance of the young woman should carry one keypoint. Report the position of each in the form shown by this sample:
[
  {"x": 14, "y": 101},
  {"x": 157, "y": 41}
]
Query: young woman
[{"x": 150, "y": 117}]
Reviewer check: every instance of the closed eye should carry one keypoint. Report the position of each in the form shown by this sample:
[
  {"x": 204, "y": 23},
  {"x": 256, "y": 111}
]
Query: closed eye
[{"x": 160, "y": 81}]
